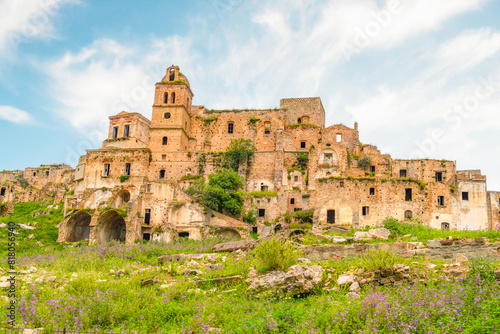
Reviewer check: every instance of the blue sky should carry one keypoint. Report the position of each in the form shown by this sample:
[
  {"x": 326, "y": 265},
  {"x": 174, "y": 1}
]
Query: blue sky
[{"x": 421, "y": 77}]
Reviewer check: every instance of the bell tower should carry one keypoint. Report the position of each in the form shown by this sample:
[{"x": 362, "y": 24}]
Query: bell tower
[{"x": 171, "y": 114}]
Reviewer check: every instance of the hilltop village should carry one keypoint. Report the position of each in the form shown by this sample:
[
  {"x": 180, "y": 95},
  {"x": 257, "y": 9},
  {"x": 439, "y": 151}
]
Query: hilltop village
[{"x": 133, "y": 187}]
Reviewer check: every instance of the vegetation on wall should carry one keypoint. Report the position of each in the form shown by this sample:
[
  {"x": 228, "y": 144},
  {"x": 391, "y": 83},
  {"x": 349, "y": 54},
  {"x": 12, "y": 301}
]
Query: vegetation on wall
[
  {"x": 124, "y": 178},
  {"x": 302, "y": 161},
  {"x": 239, "y": 151},
  {"x": 250, "y": 217},
  {"x": 222, "y": 191},
  {"x": 364, "y": 162}
]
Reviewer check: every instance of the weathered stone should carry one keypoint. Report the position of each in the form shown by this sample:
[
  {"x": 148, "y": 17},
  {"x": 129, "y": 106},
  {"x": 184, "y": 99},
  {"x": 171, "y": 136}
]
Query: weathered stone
[
  {"x": 385, "y": 281},
  {"x": 446, "y": 242},
  {"x": 386, "y": 272},
  {"x": 345, "y": 279},
  {"x": 436, "y": 243},
  {"x": 362, "y": 236},
  {"x": 234, "y": 245},
  {"x": 398, "y": 276},
  {"x": 380, "y": 233},
  {"x": 354, "y": 287},
  {"x": 149, "y": 282},
  {"x": 26, "y": 227},
  {"x": 296, "y": 280},
  {"x": 4, "y": 285}
]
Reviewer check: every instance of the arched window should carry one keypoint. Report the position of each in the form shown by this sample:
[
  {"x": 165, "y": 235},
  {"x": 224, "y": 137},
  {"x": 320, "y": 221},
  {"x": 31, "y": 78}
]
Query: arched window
[
  {"x": 165, "y": 98},
  {"x": 299, "y": 120},
  {"x": 408, "y": 214},
  {"x": 172, "y": 74},
  {"x": 165, "y": 140},
  {"x": 167, "y": 115},
  {"x": 230, "y": 127},
  {"x": 173, "y": 97}
]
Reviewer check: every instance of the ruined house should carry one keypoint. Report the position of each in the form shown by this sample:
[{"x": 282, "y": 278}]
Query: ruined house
[{"x": 132, "y": 187}]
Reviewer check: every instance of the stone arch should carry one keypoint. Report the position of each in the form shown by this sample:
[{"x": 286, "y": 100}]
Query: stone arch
[
  {"x": 79, "y": 226},
  {"x": 277, "y": 228},
  {"x": 122, "y": 198},
  {"x": 229, "y": 232},
  {"x": 111, "y": 226}
]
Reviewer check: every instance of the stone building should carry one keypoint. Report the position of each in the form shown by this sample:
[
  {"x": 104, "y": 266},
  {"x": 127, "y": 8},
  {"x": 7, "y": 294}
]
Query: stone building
[{"x": 132, "y": 187}]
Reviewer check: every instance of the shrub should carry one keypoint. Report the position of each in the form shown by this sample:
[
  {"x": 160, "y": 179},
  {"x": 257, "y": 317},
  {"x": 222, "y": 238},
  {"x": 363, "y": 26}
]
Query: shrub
[
  {"x": 275, "y": 254},
  {"x": 302, "y": 161},
  {"x": 304, "y": 216},
  {"x": 124, "y": 178},
  {"x": 483, "y": 267},
  {"x": 250, "y": 217},
  {"x": 365, "y": 162},
  {"x": 379, "y": 259}
]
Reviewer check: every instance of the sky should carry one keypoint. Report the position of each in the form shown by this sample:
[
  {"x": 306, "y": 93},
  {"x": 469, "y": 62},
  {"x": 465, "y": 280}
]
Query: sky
[{"x": 421, "y": 77}]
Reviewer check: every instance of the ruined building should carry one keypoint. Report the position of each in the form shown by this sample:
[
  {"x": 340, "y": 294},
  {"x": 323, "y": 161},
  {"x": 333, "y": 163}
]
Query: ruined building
[{"x": 132, "y": 187}]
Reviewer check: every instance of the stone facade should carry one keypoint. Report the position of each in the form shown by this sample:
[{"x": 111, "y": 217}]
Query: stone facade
[{"x": 132, "y": 187}]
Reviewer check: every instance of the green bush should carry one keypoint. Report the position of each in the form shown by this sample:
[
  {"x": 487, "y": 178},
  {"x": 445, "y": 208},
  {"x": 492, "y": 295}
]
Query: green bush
[
  {"x": 250, "y": 217},
  {"x": 304, "y": 216},
  {"x": 379, "y": 259},
  {"x": 483, "y": 267},
  {"x": 124, "y": 178},
  {"x": 365, "y": 162},
  {"x": 275, "y": 254},
  {"x": 301, "y": 162}
]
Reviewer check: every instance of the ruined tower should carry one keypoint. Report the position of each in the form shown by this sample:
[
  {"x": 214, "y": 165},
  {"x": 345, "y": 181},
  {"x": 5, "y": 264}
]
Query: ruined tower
[{"x": 170, "y": 124}]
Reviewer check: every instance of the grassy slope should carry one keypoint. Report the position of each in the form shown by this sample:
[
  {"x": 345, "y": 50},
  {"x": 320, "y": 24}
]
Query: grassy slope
[{"x": 75, "y": 290}]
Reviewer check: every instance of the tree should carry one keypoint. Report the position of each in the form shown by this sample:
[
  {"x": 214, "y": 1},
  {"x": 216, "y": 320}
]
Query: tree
[
  {"x": 302, "y": 161},
  {"x": 221, "y": 192},
  {"x": 238, "y": 152},
  {"x": 365, "y": 162}
]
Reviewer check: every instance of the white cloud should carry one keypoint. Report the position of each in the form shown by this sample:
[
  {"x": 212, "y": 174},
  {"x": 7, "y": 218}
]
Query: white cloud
[
  {"x": 26, "y": 19},
  {"x": 14, "y": 115},
  {"x": 106, "y": 78},
  {"x": 468, "y": 49}
]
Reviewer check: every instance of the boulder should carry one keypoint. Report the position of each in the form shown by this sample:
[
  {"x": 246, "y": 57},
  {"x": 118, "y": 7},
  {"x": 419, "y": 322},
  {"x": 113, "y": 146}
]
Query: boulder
[
  {"x": 434, "y": 243},
  {"x": 345, "y": 279},
  {"x": 380, "y": 233},
  {"x": 266, "y": 230},
  {"x": 296, "y": 280},
  {"x": 234, "y": 245},
  {"x": 354, "y": 287},
  {"x": 361, "y": 236}
]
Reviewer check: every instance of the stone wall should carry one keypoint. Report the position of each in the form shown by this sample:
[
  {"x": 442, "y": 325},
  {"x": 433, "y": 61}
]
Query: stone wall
[{"x": 436, "y": 249}]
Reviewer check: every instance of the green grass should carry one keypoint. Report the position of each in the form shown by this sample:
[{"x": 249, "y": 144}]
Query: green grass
[
  {"x": 85, "y": 297},
  {"x": 45, "y": 233}
]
